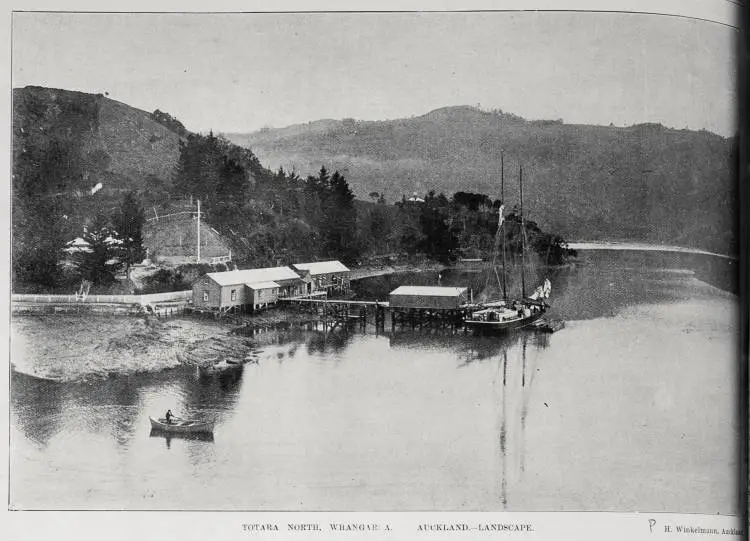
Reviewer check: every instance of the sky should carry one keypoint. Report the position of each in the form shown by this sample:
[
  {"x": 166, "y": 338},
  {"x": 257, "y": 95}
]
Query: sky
[{"x": 242, "y": 72}]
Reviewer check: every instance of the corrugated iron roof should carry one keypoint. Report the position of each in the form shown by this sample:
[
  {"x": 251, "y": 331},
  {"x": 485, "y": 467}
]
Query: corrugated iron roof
[
  {"x": 429, "y": 291},
  {"x": 262, "y": 285},
  {"x": 322, "y": 267},
  {"x": 250, "y": 276}
]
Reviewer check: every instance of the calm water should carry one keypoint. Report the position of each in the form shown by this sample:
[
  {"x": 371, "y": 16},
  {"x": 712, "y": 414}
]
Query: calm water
[{"x": 631, "y": 407}]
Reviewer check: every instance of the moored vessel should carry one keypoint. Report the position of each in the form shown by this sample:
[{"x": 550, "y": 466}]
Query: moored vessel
[{"x": 504, "y": 315}]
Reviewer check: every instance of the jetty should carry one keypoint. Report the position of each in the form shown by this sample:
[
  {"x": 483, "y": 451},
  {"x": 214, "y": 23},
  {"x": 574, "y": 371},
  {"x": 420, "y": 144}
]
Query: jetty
[
  {"x": 407, "y": 306},
  {"x": 340, "y": 311}
]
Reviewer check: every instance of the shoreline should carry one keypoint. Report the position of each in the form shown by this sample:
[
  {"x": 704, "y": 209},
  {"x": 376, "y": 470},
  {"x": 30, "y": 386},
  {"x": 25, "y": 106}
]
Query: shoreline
[
  {"x": 632, "y": 246},
  {"x": 384, "y": 270}
]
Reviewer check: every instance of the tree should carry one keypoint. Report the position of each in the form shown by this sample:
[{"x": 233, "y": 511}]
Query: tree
[
  {"x": 128, "y": 225},
  {"x": 199, "y": 166},
  {"x": 37, "y": 243},
  {"x": 406, "y": 232},
  {"x": 102, "y": 256},
  {"x": 313, "y": 198},
  {"x": 232, "y": 181},
  {"x": 440, "y": 236},
  {"x": 339, "y": 225},
  {"x": 46, "y": 172}
]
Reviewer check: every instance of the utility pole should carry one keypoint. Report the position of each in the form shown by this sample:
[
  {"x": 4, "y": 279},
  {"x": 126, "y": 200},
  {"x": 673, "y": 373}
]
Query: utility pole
[{"x": 198, "y": 251}]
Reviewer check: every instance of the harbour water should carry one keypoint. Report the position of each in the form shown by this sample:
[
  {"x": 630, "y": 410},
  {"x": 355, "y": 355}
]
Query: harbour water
[{"x": 632, "y": 407}]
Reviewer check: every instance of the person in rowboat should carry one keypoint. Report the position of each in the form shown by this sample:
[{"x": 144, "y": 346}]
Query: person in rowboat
[{"x": 168, "y": 416}]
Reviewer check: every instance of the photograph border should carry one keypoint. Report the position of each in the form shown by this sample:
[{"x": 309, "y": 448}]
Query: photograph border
[{"x": 116, "y": 524}]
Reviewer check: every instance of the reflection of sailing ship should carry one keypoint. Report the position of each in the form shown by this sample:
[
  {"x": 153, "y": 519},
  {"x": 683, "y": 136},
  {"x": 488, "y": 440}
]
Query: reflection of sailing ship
[
  {"x": 466, "y": 348},
  {"x": 512, "y": 418},
  {"x": 505, "y": 315}
]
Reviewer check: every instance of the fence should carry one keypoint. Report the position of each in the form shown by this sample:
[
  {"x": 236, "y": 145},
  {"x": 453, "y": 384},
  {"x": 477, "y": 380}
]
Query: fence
[
  {"x": 221, "y": 258},
  {"x": 157, "y": 217},
  {"x": 152, "y": 298}
]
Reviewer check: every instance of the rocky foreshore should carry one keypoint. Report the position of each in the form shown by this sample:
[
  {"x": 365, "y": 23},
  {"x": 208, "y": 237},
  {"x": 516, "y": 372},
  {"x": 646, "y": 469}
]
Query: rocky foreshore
[{"x": 71, "y": 347}]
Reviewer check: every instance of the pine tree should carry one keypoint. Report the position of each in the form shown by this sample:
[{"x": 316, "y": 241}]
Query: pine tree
[
  {"x": 129, "y": 227},
  {"x": 339, "y": 226},
  {"x": 103, "y": 256}
]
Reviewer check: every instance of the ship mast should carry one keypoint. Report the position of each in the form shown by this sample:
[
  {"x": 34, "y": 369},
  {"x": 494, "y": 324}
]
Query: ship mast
[
  {"x": 523, "y": 239},
  {"x": 502, "y": 225}
]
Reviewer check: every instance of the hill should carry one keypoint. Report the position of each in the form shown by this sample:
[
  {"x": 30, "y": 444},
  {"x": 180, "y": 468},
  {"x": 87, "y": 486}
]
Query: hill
[
  {"x": 118, "y": 145},
  {"x": 644, "y": 182},
  {"x": 75, "y": 156},
  {"x": 173, "y": 240}
]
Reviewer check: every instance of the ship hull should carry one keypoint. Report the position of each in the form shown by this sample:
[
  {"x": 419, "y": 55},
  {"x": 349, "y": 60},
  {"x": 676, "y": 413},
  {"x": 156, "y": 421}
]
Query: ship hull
[{"x": 499, "y": 327}]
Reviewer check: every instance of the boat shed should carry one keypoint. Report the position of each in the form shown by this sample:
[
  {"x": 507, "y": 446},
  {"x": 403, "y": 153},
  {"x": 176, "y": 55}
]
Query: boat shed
[
  {"x": 261, "y": 294},
  {"x": 253, "y": 288},
  {"x": 326, "y": 275},
  {"x": 428, "y": 298}
]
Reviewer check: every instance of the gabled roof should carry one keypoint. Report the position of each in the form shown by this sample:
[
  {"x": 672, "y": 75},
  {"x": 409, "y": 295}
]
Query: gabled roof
[
  {"x": 429, "y": 291},
  {"x": 322, "y": 267},
  {"x": 249, "y": 276},
  {"x": 262, "y": 285}
]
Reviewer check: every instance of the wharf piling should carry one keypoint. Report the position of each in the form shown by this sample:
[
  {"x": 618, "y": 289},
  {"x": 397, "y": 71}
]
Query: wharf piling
[{"x": 342, "y": 312}]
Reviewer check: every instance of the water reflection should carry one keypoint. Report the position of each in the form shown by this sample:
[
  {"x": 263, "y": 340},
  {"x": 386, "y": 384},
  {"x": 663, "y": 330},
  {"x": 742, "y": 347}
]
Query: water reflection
[
  {"x": 36, "y": 406},
  {"x": 514, "y": 358},
  {"x": 425, "y": 420},
  {"x": 512, "y": 391},
  {"x": 598, "y": 284},
  {"x": 328, "y": 341},
  {"x": 169, "y": 436},
  {"x": 467, "y": 347},
  {"x": 110, "y": 405}
]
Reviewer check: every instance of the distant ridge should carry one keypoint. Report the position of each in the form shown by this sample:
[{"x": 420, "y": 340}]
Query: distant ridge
[{"x": 644, "y": 182}]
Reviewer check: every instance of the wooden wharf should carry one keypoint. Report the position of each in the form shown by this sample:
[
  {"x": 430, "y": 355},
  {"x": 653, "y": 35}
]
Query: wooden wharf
[
  {"x": 383, "y": 304},
  {"x": 341, "y": 311}
]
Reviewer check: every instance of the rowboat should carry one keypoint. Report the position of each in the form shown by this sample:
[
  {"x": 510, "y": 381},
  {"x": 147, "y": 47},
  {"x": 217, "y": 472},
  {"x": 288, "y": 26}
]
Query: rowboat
[
  {"x": 549, "y": 325},
  {"x": 182, "y": 426}
]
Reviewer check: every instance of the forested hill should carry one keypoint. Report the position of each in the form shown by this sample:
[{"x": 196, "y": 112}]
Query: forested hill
[
  {"x": 86, "y": 168},
  {"x": 644, "y": 182}
]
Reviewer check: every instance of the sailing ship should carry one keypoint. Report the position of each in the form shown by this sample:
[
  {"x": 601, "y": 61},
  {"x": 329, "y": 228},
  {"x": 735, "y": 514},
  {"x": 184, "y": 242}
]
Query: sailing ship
[{"x": 504, "y": 314}]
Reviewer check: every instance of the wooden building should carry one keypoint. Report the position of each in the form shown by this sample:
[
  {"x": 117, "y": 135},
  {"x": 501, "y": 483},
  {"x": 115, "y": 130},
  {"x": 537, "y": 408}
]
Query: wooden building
[
  {"x": 247, "y": 289},
  {"x": 427, "y": 298},
  {"x": 330, "y": 276},
  {"x": 261, "y": 294}
]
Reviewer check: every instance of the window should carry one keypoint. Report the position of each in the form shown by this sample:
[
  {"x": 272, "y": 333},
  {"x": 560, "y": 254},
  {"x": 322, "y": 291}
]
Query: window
[
  {"x": 205, "y": 294},
  {"x": 205, "y": 281},
  {"x": 234, "y": 294}
]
